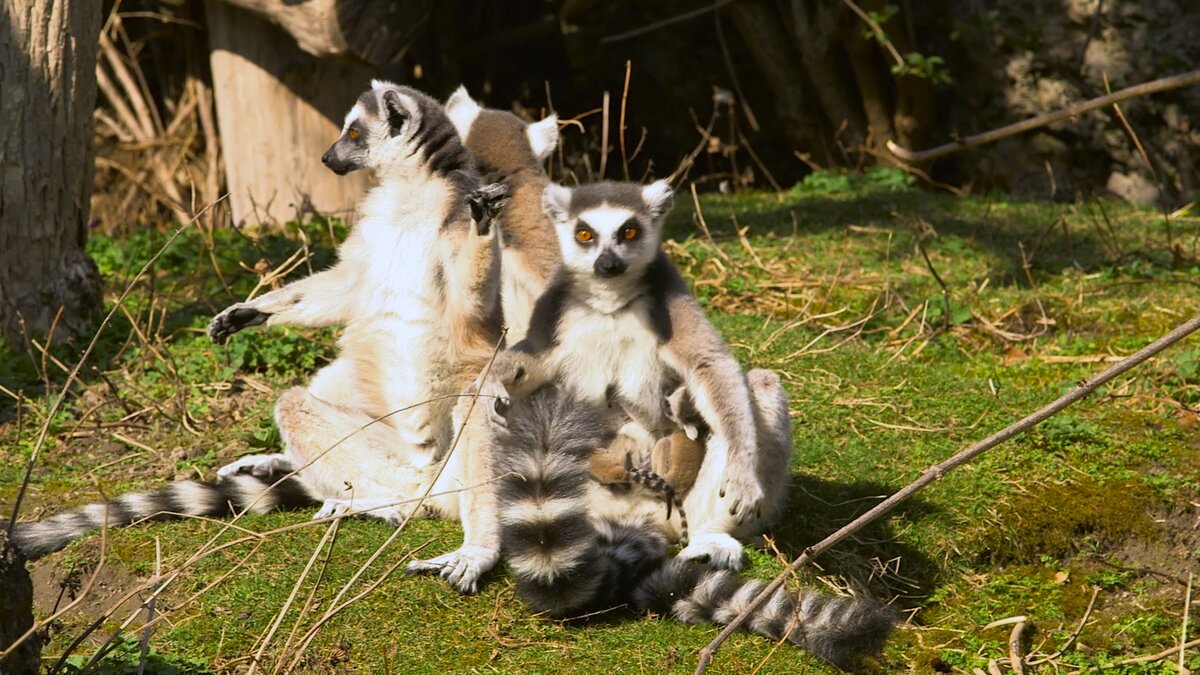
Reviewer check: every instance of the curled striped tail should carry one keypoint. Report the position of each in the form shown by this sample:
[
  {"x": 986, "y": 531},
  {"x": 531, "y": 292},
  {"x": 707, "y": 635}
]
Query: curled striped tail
[
  {"x": 656, "y": 483},
  {"x": 178, "y": 500},
  {"x": 565, "y": 561},
  {"x": 840, "y": 630}
]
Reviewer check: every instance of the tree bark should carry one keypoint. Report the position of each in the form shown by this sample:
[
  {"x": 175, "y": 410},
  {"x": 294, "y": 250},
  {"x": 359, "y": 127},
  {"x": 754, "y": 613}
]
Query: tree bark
[
  {"x": 48, "y": 70},
  {"x": 819, "y": 27},
  {"x": 16, "y": 609}
]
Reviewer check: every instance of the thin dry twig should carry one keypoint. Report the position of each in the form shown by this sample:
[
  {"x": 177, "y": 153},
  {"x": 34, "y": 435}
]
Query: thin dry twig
[
  {"x": 71, "y": 377},
  {"x": 1072, "y": 637},
  {"x": 1153, "y": 87},
  {"x": 936, "y": 472},
  {"x": 1016, "y": 655},
  {"x": 666, "y": 22}
]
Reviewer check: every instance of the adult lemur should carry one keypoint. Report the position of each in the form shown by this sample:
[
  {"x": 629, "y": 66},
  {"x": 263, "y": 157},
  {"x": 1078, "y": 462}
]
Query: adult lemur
[
  {"x": 416, "y": 290},
  {"x": 568, "y": 562},
  {"x": 619, "y": 322}
]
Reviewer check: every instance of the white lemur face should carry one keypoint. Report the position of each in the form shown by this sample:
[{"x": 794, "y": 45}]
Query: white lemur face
[
  {"x": 393, "y": 128},
  {"x": 608, "y": 230}
]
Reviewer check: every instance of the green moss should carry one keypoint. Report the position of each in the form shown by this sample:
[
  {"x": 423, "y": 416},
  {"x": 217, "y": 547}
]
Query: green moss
[{"x": 1062, "y": 520}]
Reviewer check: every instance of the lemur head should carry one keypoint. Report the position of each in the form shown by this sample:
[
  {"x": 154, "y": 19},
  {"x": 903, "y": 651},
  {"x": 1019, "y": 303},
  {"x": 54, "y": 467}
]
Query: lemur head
[
  {"x": 609, "y": 230},
  {"x": 396, "y": 129},
  {"x": 499, "y": 140}
]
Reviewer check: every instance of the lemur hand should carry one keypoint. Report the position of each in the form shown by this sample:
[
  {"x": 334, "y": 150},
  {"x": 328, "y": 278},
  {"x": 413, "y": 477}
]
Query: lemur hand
[
  {"x": 485, "y": 203},
  {"x": 233, "y": 319},
  {"x": 515, "y": 371},
  {"x": 744, "y": 494}
]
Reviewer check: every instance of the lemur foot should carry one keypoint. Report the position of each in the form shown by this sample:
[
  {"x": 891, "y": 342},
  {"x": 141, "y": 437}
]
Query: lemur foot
[
  {"x": 257, "y": 465},
  {"x": 745, "y": 496},
  {"x": 720, "y": 550},
  {"x": 233, "y": 319},
  {"x": 462, "y": 569},
  {"x": 514, "y": 371},
  {"x": 485, "y": 203}
]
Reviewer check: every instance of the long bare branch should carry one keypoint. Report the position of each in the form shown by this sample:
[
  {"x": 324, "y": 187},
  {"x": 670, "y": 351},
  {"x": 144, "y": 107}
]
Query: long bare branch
[
  {"x": 1144, "y": 89},
  {"x": 935, "y": 472}
]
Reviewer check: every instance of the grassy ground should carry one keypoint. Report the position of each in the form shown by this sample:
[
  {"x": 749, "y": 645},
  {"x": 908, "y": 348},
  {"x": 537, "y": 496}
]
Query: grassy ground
[{"x": 889, "y": 371}]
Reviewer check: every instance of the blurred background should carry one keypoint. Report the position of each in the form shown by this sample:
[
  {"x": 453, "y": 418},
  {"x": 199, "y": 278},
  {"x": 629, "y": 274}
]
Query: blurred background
[{"x": 244, "y": 95}]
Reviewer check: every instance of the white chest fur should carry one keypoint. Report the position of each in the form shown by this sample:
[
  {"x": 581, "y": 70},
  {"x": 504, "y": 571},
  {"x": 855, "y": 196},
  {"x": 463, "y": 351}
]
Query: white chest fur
[{"x": 598, "y": 350}]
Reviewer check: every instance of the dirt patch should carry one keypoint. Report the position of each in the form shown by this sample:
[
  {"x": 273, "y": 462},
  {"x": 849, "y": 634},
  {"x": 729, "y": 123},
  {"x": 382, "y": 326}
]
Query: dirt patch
[
  {"x": 58, "y": 580},
  {"x": 1171, "y": 554}
]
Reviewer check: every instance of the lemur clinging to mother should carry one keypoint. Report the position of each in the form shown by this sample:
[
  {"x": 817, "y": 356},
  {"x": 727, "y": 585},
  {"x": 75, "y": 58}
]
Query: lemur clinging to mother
[
  {"x": 619, "y": 322},
  {"x": 569, "y": 562}
]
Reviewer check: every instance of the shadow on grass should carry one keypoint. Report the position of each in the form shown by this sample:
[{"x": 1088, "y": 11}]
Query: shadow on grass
[
  {"x": 874, "y": 558},
  {"x": 996, "y": 225}
]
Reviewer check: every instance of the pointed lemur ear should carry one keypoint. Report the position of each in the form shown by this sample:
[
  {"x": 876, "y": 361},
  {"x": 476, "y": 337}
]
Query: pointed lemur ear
[
  {"x": 658, "y": 197},
  {"x": 556, "y": 199},
  {"x": 396, "y": 114},
  {"x": 543, "y": 137},
  {"x": 462, "y": 111}
]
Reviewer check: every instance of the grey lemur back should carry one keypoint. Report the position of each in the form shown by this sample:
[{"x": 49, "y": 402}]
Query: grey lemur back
[{"x": 568, "y": 562}]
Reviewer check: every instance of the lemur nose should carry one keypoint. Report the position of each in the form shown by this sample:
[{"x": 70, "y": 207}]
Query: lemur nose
[
  {"x": 609, "y": 265},
  {"x": 327, "y": 157}
]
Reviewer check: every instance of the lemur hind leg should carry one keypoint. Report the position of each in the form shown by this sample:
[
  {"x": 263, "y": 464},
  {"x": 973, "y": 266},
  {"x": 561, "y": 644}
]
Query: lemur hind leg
[
  {"x": 346, "y": 455},
  {"x": 465, "y": 490},
  {"x": 715, "y": 532}
]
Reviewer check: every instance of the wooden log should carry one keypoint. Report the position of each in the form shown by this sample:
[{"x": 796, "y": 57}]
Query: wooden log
[
  {"x": 278, "y": 110},
  {"x": 378, "y": 32}
]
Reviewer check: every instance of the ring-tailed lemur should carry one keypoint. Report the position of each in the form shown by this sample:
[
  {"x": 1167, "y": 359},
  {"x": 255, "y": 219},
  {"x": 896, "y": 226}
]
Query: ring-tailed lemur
[
  {"x": 416, "y": 290},
  {"x": 511, "y": 151},
  {"x": 619, "y": 315},
  {"x": 569, "y": 561}
]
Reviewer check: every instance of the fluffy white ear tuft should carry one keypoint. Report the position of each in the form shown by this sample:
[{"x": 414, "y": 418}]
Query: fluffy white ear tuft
[
  {"x": 381, "y": 84},
  {"x": 658, "y": 197},
  {"x": 462, "y": 111},
  {"x": 543, "y": 137},
  {"x": 556, "y": 200}
]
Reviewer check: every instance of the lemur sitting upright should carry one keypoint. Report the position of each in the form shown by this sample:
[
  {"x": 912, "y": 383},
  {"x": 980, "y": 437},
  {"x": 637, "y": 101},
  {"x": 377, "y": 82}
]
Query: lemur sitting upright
[
  {"x": 416, "y": 290},
  {"x": 511, "y": 151},
  {"x": 618, "y": 319}
]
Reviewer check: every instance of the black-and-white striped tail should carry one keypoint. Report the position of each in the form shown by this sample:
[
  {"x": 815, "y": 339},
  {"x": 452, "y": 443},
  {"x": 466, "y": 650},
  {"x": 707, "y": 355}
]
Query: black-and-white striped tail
[
  {"x": 178, "y": 500},
  {"x": 568, "y": 563}
]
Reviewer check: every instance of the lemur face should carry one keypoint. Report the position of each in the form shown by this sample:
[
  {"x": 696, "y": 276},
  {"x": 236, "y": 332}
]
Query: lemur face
[
  {"x": 378, "y": 131},
  {"x": 608, "y": 230}
]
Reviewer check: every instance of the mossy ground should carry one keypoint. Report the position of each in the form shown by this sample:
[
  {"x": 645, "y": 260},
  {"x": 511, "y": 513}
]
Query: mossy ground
[{"x": 887, "y": 371}]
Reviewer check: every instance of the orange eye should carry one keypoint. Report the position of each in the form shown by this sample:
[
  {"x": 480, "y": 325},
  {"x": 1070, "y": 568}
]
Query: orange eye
[
  {"x": 583, "y": 236},
  {"x": 630, "y": 233},
  {"x": 353, "y": 134}
]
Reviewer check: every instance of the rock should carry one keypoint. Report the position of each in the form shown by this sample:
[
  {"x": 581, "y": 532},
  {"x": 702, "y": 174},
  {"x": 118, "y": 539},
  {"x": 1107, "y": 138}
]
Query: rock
[{"x": 1133, "y": 188}]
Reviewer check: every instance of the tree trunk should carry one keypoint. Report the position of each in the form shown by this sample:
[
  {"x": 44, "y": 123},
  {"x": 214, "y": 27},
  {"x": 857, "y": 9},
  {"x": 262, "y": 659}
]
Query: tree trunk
[
  {"x": 278, "y": 110},
  {"x": 16, "y": 609},
  {"x": 48, "y": 70}
]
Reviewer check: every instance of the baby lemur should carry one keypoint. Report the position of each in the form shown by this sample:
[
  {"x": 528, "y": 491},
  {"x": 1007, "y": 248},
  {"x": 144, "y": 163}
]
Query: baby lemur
[{"x": 618, "y": 321}]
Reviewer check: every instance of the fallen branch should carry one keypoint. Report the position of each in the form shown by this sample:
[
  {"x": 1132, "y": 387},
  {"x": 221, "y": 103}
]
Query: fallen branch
[
  {"x": 1144, "y": 89},
  {"x": 935, "y": 472}
]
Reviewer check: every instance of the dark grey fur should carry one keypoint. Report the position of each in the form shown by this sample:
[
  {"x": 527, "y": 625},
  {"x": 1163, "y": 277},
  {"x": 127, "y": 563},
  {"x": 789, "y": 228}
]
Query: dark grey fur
[
  {"x": 221, "y": 497},
  {"x": 542, "y": 446}
]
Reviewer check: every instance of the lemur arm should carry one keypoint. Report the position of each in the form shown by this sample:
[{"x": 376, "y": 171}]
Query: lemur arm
[
  {"x": 528, "y": 364},
  {"x": 317, "y": 300},
  {"x": 713, "y": 377},
  {"x": 471, "y": 267}
]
